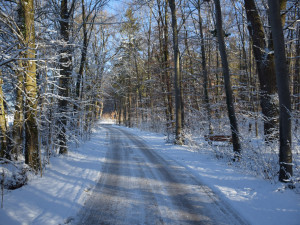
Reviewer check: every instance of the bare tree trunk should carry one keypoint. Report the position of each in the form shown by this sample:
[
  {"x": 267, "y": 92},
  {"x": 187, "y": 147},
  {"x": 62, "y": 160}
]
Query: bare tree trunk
[
  {"x": 65, "y": 74},
  {"x": 166, "y": 56},
  {"x": 32, "y": 152},
  {"x": 83, "y": 52},
  {"x": 17, "y": 129},
  {"x": 149, "y": 70},
  {"x": 285, "y": 152},
  {"x": 226, "y": 74},
  {"x": 139, "y": 102},
  {"x": 125, "y": 119},
  {"x": 177, "y": 77},
  {"x": 121, "y": 110},
  {"x": 3, "y": 127},
  {"x": 165, "y": 62},
  {"x": 296, "y": 83},
  {"x": 204, "y": 70},
  {"x": 265, "y": 68},
  {"x": 129, "y": 111},
  {"x": 79, "y": 85}
]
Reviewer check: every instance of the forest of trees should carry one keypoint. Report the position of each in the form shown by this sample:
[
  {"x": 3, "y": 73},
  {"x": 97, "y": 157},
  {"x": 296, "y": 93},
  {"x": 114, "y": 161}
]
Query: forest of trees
[{"x": 187, "y": 68}]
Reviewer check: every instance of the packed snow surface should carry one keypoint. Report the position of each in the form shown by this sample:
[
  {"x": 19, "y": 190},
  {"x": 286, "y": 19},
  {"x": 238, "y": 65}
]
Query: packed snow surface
[{"x": 68, "y": 181}]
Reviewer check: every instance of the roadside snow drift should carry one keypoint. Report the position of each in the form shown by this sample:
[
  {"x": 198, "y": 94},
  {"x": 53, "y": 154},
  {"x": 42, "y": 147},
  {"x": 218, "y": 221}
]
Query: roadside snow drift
[{"x": 57, "y": 197}]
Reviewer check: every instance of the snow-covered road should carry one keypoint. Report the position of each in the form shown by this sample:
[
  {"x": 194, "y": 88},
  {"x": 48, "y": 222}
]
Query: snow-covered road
[
  {"x": 128, "y": 176},
  {"x": 140, "y": 186}
]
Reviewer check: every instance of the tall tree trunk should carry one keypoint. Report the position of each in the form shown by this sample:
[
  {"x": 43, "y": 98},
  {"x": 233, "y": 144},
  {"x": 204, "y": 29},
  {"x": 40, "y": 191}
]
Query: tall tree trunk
[
  {"x": 129, "y": 105},
  {"x": 149, "y": 60},
  {"x": 204, "y": 70},
  {"x": 285, "y": 152},
  {"x": 65, "y": 74},
  {"x": 165, "y": 64},
  {"x": 226, "y": 74},
  {"x": 121, "y": 110},
  {"x": 244, "y": 75},
  {"x": 163, "y": 74},
  {"x": 139, "y": 102},
  {"x": 83, "y": 54},
  {"x": 32, "y": 152},
  {"x": 3, "y": 128},
  {"x": 17, "y": 129},
  {"x": 296, "y": 83},
  {"x": 79, "y": 85},
  {"x": 125, "y": 117},
  {"x": 177, "y": 77},
  {"x": 265, "y": 68}
]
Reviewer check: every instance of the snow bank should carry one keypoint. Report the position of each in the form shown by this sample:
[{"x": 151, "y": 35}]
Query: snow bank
[
  {"x": 68, "y": 180},
  {"x": 57, "y": 196}
]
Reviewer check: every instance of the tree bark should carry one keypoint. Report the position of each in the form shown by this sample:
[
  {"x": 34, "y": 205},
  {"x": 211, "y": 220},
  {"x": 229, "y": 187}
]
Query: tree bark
[
  {"x": 170, "y": 107},
  {"x": 177, "y": 78},
  {"x": 79, "y": 84},
  {"x": 17, "y": 129},
  {"x": 83, "y": 54},
  {"x": 296, "y": 83},
  {"x": 65, "y": 73},
  {"x": 164, "y": 59},
  {"x": 265, "y": 68},
  {"x": 3, "y": 127},
  {"x": 204, "y": 70},
  {"x": 226, "y": 74},
  {"x": 285, "y": 152},
  {"x": 32, "y": 152}
]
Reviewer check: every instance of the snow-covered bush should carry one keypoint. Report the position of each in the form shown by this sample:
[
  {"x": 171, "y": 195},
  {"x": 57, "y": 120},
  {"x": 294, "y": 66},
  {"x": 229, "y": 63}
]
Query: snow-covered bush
[{"x": 13, "y": 175}]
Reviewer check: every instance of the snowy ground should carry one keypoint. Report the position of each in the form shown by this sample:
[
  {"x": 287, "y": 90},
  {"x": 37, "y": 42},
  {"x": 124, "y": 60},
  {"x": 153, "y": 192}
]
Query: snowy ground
[{"x": 68, "y": 180}]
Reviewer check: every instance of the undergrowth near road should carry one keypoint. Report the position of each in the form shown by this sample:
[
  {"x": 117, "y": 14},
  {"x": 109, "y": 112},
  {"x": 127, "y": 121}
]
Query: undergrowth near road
[{"x": 258, "y": 157}]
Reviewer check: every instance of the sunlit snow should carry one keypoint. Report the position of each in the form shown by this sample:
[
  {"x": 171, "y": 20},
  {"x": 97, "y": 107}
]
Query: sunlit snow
[{"x": 67, "y": 182}]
